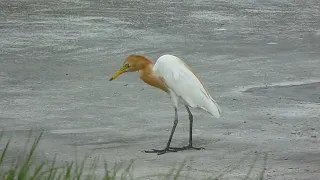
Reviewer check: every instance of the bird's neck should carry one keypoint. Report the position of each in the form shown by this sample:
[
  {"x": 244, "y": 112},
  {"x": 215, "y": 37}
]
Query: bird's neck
[{"x": 148, "y": 76}]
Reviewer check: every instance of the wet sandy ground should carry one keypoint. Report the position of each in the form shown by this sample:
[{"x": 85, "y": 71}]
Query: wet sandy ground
[{"x": 259, "y": 60}]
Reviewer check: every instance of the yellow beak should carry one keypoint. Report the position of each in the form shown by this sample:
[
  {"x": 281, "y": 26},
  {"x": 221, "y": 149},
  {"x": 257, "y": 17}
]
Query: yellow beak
[{"x": 120, "y": 71}]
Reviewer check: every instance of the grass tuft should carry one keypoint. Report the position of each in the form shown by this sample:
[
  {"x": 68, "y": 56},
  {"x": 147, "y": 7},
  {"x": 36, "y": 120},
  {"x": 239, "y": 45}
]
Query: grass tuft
[{"x": 25, "y": 167}]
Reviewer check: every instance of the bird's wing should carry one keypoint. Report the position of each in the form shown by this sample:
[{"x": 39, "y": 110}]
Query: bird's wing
[{"x": 185, "y": 84}]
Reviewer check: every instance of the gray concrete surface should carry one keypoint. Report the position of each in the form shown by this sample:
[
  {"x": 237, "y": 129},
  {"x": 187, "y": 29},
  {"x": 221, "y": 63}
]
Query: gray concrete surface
[{"x": 259, "y": 59}]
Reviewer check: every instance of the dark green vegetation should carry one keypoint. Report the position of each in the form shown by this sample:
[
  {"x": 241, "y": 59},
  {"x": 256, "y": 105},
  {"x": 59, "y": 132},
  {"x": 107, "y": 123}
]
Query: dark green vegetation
[{"x": 25, "y": 167}]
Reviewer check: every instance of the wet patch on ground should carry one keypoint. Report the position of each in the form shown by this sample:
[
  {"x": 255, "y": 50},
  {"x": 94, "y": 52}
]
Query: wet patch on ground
[{"x": 309, "y": 92}]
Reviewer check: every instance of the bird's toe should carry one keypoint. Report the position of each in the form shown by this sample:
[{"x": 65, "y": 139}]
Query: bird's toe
[
  {"x": 186, "y": 148},
  {"x": 160, "y": 151}
]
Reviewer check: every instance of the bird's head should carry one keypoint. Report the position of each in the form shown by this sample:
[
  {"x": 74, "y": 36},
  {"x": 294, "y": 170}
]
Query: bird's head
[{"x": 132, "y": 63}]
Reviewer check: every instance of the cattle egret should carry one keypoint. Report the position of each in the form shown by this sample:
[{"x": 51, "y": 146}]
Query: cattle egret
[{"x": 173, "y": 76}]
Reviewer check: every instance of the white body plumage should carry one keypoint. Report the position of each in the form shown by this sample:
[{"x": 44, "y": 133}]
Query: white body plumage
[{"x": 184, "y": 86}]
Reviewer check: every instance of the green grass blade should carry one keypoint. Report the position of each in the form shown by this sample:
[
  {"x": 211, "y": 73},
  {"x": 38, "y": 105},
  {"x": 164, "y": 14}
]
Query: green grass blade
[
  {"x": 10, "y": 174},
  {"x": 79, "y": 174},
  {"x": 68, "y": 172},
  {"x": 107, "y": 176},
  {"x": 52, "y": 173},
  {"x": 37, "y": 171},
  {"x": 92, "y": 169},
  {"x": 24, "y": 170},
  {"x": 116, "y": 169},
  {"x": 4, "y": 152},
  {"x": 60, "y": 175},
  {"x": 52, "y": 170}
]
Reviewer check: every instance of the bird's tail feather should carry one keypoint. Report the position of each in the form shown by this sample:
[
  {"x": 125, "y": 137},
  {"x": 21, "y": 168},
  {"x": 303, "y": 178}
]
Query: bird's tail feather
[{"x": 215, "y": 109}]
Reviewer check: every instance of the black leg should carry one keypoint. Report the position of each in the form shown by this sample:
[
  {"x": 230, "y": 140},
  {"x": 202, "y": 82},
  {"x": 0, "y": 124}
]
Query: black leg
[
  {"x": 167, "y": 149},
  {"x": 191, "y": 125},
  {"x": 189, "y": 146}
]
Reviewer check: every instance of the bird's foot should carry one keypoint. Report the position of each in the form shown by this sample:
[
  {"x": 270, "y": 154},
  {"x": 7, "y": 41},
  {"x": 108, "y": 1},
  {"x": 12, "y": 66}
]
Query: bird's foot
[
  {"x": 185, "y": 148},
  {"x": 161, "y": 151}
]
